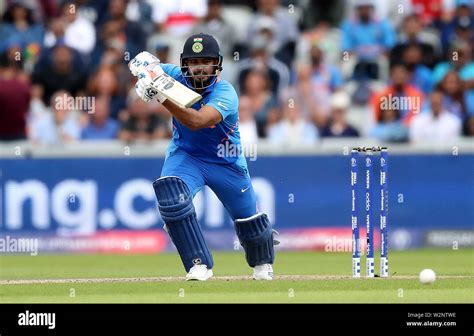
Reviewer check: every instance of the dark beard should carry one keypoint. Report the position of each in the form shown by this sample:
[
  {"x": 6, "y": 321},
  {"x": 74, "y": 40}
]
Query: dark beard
[
  {"x": 199, "y": 83},
  {"x": 411, "y": 66},
  {"x": 398, "y": 88},
  {"x": 204, "y": 82},
  {"x": 316, "y": 61},
  {"x": 364, "y": 19}
]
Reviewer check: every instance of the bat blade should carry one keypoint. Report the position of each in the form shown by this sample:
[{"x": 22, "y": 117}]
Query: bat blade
[{"x": 175, "y": 91}]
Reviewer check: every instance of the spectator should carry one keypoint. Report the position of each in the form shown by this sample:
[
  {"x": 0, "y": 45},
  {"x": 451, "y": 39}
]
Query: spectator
[
  {"x": 419, "y": 74},
  {"x": 119, "y": 33},
  {"x": 315, "y": 12},
  {"x": 94, "y": 11},
  {"x": 263, "y": 102},
  {"x": 75, "y": 31},
  {"x": 413, "y": 34},
  {"x": 274, "y": 20},
  {"x": 104, "y": 83},
  {"x": 40, "y": 10},
  {"x": 452, "y": 26},
  {"x": 438, "y": 126},
  {"x": 460, "y": 62},
  {"x": 59, "y": 125},
  {"x": 261, "y": 60},
  {"x": 367, "y": 38},
  {"x": 317, "y": 83},
  {"x": 399, "y": 95},
  {"x": 326, "y": 38},
  {"x": 112, "y": 59},
  {"x": 100, "y": 125},
  {"x": 141, "y": 123},
  {"x": 12, "y": 57},
  {"x": 177, "y": 18},
  {"x": 389, "y": 127},
  {"x": 20, "y": 28},
  {"x": 121, "y": 28},
  {"x": 19, "y": 24},
  {"x": 393, "y": 11},
  {"x": 293, "y": 129},
  {"x": 59, "y": 74},
  {"x": 468, "y": 129},
  {"x": 454, "y": 96},
  {"x": 162, "y": 51},
  {"x": 14, "y": 99},
  {"x": 464, "y": 29},
  {"x": 429, "y": 10},
  {"x": 338, "y": 126},
  {"x": 140, "y": 11},
  {"x": 166, "y": 46},
  {"x": 213, "y": 23},
  {"x": 247, "y": 124}
]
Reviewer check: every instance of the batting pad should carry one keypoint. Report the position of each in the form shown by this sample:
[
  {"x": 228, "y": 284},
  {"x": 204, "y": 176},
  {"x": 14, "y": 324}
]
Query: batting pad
[
  {"x": 256, "y": 237},
  {"x": 177, "y": 210}
]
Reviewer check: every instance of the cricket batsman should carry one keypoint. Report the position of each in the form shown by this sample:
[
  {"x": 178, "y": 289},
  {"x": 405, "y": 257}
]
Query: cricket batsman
[{"x": 193, "y": 159}]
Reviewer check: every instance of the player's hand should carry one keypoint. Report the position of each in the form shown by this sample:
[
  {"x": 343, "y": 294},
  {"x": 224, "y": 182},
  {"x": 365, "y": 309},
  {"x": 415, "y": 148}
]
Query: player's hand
[
  {"x": 141, "y": 61},
  {"x": 146, "y": 91},
  {"x": 147, "y": 68}
]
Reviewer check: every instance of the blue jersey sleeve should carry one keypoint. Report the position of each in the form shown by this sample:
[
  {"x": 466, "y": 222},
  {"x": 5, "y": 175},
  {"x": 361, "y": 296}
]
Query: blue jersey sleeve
[
  {"x": 172, "y": 70},
  {"x": 224, "y": 99}
]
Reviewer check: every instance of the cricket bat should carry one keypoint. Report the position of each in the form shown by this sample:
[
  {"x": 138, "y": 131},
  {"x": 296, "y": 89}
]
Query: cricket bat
[
  {"x": 175, "y": 91},
  {"x": 168, "y": 86}
]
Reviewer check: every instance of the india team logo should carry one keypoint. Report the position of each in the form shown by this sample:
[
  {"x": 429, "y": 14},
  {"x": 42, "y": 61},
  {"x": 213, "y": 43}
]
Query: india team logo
[{"x": 197, "y": 46}]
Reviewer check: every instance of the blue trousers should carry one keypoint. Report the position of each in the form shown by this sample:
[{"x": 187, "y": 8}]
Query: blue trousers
[{"x": 230, "y": 182}]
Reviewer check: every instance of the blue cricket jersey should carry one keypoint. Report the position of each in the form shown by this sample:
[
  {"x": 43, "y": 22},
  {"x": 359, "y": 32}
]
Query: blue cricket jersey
[{"x": 209, "y": 144}]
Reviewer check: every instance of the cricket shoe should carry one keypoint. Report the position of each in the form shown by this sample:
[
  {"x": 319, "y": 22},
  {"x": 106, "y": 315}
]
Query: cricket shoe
[
  {"x": 263, "y": 272},
  {"x": 199, "y": 272}
]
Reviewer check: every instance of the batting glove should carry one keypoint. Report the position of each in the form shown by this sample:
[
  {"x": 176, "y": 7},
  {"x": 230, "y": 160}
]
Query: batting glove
[
  {"x": 142, "y": 60},
  {"x": 147, "y": 68},
  {"x": 146, "y": 91}
]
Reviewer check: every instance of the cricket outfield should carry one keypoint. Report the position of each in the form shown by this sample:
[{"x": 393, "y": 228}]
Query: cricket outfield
[{"x": 313, "y": 277}]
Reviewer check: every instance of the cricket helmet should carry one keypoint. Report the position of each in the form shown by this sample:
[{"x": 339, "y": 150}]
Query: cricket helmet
[{"x": 200, "y": 46}]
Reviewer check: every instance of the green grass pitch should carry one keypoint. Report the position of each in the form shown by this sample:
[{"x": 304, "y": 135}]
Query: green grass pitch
[{"x": 314, "y": 277}]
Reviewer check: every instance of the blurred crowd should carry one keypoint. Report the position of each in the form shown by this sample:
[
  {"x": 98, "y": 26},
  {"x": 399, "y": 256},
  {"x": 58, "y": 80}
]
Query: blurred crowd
[{"x": 397, "y": 71}]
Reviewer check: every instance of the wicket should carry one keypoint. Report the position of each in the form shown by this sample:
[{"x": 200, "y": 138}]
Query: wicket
[{"x": 369, "y": 211}]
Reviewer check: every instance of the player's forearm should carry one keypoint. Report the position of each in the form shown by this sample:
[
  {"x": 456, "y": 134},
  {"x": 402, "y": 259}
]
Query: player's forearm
[{"x": 189, "y": 117}]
